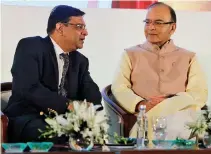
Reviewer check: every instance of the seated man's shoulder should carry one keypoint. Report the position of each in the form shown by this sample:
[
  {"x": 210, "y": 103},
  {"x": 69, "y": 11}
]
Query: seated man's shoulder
[
  {"x": 32, "y": 45},
  {"x": 186, "y": 52},
  {"x": 135, "y": 48},
  {"x": 33, "y": 39}
]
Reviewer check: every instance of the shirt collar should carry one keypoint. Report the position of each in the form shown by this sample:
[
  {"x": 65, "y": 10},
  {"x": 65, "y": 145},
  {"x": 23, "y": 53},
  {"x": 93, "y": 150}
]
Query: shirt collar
[
  {"x": 167, "y": 47},
  {"x": 57, "y": 48}
]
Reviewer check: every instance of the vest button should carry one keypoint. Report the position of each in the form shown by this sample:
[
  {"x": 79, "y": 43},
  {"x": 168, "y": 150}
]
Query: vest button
[
  {"x": 162, "y": 57},
  {"x": 156, "y": 48}
]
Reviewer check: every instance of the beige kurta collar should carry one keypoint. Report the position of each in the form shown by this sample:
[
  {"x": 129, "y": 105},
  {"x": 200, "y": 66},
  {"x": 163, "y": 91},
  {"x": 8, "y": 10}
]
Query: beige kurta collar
[{"x": 167, "y": 47}]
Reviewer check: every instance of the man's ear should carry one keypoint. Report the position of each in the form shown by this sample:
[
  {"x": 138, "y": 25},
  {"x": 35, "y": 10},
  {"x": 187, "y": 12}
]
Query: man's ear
[
  {"x": 173, "y": 28},
  {"x": 59, "y": 28}
]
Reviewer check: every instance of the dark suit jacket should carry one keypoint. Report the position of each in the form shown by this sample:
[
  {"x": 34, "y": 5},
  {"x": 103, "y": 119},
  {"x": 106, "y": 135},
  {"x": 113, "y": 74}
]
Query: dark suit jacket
[{"x": 35, "y": 80}]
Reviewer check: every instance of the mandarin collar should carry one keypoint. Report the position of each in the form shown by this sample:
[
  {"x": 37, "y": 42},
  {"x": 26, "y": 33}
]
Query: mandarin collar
[{"x": 169, "y": 46}]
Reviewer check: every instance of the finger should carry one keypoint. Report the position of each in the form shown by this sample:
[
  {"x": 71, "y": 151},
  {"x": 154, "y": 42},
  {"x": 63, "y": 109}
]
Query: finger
[
  {"x": 153, "y": 102},
  {"x": 156, "y": 101},
  {"x": 70, "y": 107},
  {"x": 161, "y": 96},
  {"x": 158, "y": 98}
]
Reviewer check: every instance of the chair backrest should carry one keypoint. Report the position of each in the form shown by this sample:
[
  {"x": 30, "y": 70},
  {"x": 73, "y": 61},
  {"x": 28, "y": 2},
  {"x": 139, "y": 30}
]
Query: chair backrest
[
  {"x": 6, "y": 88},
  {"x": 121, "y": 120},
  {"x": 110, "y": 99},
  {"x": 5, "y": 94}
]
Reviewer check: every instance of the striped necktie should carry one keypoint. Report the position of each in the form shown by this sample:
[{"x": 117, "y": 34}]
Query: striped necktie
[{"x": 62, "y": 91}]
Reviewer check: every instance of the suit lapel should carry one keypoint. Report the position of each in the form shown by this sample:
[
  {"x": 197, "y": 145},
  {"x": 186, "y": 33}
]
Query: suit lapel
[
  {"x": 72, "y": 76},
  {"x": 53, "y": 57}
]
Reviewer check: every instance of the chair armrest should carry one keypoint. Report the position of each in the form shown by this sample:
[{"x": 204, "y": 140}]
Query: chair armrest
[
  {"x": 4, "y": 125},
  {"x": 5, "y": 86},
  {"x": 126, "y": 119}
]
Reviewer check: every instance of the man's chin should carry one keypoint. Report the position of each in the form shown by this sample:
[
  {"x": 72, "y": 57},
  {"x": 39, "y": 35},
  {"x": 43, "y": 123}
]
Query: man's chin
[
  {"x": 80, "y": 46},
  {"x": 153, "y": 41}
]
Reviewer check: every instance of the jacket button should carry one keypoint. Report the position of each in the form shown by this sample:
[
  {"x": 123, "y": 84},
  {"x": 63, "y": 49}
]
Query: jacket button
[
  {"x": 173, "y": 63},
  {"x": 162, "y": 57}
]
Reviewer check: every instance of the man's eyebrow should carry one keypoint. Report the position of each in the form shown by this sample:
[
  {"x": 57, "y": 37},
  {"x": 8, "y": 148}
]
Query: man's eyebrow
[
  {"x": 154, "y": 20},
  {"x": 79, "y": 23},
  {"x": 159, "y": 20}
]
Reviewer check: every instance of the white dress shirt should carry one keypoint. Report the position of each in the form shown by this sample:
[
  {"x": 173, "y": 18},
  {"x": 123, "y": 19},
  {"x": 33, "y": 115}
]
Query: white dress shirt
[{"x": 60, "y": 61}]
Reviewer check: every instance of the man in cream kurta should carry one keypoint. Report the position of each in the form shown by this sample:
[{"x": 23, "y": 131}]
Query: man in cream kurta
[{"x": 164, "y": 77}]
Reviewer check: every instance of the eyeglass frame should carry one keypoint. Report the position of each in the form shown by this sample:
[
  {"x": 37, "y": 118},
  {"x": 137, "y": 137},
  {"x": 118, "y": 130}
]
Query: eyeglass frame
[
  {"x": 77, "y": 26},
  {"x": 157, "y": 22}
]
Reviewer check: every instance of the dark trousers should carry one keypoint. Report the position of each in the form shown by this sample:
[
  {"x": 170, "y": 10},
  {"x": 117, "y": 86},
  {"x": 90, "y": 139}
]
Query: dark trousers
[{"x": 19, "y": 131}]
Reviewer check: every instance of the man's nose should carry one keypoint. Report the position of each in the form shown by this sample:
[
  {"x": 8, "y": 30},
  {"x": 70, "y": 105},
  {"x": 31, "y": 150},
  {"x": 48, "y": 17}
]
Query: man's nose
[
  {"x": 151, "y": 26},
  {"x": 85, "y": 32}
]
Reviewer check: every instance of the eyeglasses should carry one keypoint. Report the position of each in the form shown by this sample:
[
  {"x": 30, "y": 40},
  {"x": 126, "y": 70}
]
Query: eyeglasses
[
  {"x": 157, "y": 23},
  {"x": 77, "y": 26}
]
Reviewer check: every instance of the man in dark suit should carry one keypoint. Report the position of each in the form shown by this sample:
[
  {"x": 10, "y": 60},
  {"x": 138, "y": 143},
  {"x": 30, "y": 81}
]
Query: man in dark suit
[{"x": 47, "y": 73}]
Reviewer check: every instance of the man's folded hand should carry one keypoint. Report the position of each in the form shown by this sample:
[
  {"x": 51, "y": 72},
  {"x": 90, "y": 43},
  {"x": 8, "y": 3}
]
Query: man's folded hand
[
  {"x": 70, "y": 107},
  {"x": 151, "y": 102}
]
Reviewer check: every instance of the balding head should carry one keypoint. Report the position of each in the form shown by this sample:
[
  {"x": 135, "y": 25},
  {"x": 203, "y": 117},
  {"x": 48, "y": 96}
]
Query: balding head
[
  {"x": 159, "y": 23},
  {"x": 171, "y": 10}
]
